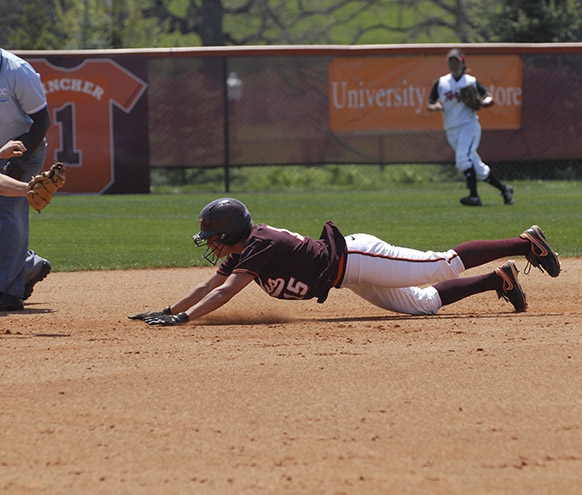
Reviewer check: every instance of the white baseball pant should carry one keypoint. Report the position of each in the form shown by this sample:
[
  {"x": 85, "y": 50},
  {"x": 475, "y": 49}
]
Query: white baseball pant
[
  {"x": 389, "y": 276},
  {"x": 465, "y": 141}
]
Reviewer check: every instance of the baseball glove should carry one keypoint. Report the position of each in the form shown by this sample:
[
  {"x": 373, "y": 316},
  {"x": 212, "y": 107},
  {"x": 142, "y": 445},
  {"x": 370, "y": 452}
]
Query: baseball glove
[
  {"x": 43, "y": 186},
  {"x": 470, "y": 97}
]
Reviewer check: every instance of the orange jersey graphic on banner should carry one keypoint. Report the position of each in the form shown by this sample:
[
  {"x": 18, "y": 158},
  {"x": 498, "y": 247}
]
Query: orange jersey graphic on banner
[
  {"x": 81, "y": 101},
  {"x": 391, "y": 93}
]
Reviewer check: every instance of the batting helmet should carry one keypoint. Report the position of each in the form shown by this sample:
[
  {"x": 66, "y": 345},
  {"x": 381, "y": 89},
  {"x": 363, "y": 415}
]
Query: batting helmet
[{"x": 226, "y": 217}]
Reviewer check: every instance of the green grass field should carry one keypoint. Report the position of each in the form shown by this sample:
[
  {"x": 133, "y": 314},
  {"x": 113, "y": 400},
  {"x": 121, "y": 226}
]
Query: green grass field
[{"x": 155, "y": 230}]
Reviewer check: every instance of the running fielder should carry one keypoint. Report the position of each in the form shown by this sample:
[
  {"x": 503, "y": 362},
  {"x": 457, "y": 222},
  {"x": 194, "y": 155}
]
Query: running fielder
[
  {"x": 288, "y": 265},
  {"x": 453, "y": 94}
]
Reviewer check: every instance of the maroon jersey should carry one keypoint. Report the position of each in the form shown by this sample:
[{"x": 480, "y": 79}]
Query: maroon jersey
[{"x": 290, "y": 266}]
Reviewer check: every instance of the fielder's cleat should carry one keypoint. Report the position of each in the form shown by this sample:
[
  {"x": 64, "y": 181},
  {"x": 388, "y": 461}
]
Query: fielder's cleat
[
  {"x": 541, "y": 255},
  {"x": 510, "y": 290},
  {"x": 44, "y": 268},
  {"x": 507, "y": 194},
  {"x": 471, "y": 201}
]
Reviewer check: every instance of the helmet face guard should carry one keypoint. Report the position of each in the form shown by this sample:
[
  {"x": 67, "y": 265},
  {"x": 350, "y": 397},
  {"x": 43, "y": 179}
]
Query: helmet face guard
[
  {"x": 224, "y": 222},
  {"x": 212, "y": 251}
]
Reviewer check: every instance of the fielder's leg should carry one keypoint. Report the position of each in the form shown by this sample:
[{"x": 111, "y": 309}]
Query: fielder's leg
[
  {"x": 473, "y": 198},
  {"x": 506, "y": 191}
]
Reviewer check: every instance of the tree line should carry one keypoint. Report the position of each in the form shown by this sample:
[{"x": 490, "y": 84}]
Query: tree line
[{"x": 106, "y": 24}]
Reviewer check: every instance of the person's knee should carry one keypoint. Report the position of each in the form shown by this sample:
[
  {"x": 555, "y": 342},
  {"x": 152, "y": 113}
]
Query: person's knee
[
  {"x": 467, "y": 167},
  {"x": 463, "y": 165},
  {"x": 482, "y": 172}
]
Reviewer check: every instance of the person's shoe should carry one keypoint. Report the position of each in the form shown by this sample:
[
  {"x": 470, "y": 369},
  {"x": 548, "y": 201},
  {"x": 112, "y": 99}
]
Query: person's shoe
[
  {"x": 510, "y": 290},
  {"x": 507, "y": 194},
  {"x": 10, "y": 303},
  {"x": 541, "y": 255},
  {"x": 471, "y": 201},
  {"x": 44, "y": 268}
]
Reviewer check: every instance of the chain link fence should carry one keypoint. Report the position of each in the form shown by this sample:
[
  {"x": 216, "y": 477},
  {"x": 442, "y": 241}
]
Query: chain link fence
[
  {"x": 123, "y": 116},
  {"x": 273, "y": 109},
  {"x": 268, "y": 109}
]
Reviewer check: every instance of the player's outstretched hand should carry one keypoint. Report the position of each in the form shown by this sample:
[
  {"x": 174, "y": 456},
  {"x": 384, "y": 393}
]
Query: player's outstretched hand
[
  {"x": 143, "y": 316},
  {"x": 167, "y": 320}
]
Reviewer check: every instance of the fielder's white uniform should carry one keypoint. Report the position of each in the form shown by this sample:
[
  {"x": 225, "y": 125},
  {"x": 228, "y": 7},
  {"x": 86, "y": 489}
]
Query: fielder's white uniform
[
  {"x": 389, "y": 276},
  {"x": 461, "y": 124}
]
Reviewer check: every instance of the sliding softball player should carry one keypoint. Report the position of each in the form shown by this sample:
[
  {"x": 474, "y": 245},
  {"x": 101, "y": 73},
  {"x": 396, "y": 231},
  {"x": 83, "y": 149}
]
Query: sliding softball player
[{"x": 288, "y": 265}]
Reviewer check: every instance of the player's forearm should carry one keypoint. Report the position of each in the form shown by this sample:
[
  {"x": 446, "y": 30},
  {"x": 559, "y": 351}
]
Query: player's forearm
[
  {"x": 193, "y": 297},
  {"x": 211, "y": 302},
  {"x": 40, "y": 125},
  {"x": 11, "y": 187}
]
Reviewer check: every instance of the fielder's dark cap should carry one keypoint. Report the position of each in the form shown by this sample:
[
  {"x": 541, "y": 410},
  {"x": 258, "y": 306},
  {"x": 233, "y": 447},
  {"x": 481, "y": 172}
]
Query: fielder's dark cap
[{"x": 456, "y": 53}]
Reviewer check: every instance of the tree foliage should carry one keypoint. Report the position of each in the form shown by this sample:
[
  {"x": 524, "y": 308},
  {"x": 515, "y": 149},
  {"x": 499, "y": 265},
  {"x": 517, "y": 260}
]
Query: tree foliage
[
  {"x": 28, "y": 25},
  {"x": 281, "y": 22},
  {"x": 535, "y": 21},
  {"x": 78, "y": 24},
  {"x": 87, "y": 24},
  {"x": 108, "y": 24}
]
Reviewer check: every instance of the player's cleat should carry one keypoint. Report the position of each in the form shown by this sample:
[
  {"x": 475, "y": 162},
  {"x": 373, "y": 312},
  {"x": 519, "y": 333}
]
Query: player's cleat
[
  {"x": 510, "y": 290},
  {"x": 471, "y": 201},
  {"x": 507, "y": 194},
  {"x": 10, "y": 303},
  {"x": 541, "y": 255},
  {"x": 43, "y": 270}
]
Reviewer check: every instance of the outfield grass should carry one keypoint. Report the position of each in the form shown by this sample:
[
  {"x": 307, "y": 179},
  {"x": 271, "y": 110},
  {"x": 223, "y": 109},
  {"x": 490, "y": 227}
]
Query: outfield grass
[{"x": 155, "y": 230}]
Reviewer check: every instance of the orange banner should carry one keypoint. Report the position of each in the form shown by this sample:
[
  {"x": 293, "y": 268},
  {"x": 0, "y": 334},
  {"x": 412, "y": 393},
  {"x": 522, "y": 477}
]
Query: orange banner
[
  {"x": 81, "y": 101},
  {"x": 391, "y": 93}
]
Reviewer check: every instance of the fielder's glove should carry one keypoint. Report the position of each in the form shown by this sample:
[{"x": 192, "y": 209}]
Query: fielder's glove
[
  {"x": 43, "y": 186},
  {"x": 143, "y": 316},
  {"x": 470, "y": 97},
  {"x": 167, "y": 320}
]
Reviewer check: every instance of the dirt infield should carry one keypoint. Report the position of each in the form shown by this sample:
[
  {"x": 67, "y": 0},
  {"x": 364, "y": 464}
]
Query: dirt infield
[{"x": 272, "y": 397}]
